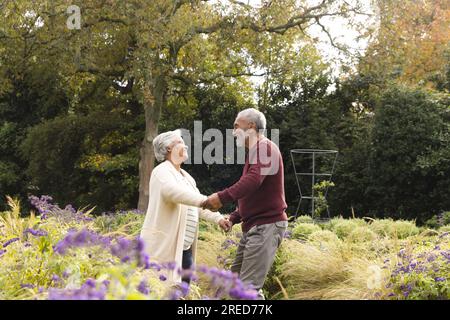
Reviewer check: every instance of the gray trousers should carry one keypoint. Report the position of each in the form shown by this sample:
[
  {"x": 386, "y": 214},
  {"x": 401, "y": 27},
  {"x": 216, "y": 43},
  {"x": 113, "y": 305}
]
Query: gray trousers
[{"x": 256, "y": 252}]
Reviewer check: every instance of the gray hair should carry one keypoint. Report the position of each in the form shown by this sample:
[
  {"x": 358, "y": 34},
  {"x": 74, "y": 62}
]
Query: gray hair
[
  {"x": 255, "y": 116},
  {"x": 162, "y": 142}
]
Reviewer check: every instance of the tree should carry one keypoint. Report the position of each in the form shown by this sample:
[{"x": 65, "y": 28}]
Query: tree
[
  {"x": 147, "y": 49},
  {"x": 411, "y": 45},
  {"x": 409, "y": 125}
]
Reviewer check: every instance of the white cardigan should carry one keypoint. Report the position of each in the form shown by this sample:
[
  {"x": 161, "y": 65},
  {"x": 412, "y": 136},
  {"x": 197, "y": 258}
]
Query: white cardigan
[{"x": 165, "y": 221}]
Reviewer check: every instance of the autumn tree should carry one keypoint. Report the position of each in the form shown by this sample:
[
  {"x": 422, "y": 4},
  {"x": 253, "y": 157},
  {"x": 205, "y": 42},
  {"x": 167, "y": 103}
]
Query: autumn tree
[{"x": 411, "y": 45}]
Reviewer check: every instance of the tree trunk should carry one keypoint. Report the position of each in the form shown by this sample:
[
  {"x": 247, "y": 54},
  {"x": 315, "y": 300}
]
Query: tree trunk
[{"x": 155, "y": 94}]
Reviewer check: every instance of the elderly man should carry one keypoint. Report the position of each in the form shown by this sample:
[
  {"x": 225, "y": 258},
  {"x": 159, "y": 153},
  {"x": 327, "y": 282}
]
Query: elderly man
[{"x": 259, "y": 194}]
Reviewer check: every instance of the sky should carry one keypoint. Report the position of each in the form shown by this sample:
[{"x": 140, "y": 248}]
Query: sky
[{"x": 339, "y": 31}]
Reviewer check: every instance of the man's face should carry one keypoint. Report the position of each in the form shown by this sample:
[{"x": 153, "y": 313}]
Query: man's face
[{"x": 243, "y": 129}]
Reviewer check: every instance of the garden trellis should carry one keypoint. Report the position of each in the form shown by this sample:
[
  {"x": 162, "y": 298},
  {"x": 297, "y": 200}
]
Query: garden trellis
[{"x": 332, "y": 154}]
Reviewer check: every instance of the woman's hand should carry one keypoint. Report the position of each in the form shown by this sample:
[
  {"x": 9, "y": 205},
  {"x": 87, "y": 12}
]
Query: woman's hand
[{"x": 225, "y": 224}]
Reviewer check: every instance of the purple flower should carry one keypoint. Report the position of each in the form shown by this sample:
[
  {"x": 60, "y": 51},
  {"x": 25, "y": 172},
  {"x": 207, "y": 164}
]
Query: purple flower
[
  {"x": 227, "y": 243},
  {"x": 70, "y": 208},
  {"x": 55, "y": 278},
  {"x": 439, "y": 279},
  {"x": 143, "y": 287},
  {"x": 175, "y": 295},
  {"x": 27, "y": 285},
  {"x": 162, "y": 277},
  {"x": 446, "y": 254},
  {"x": 2, "y": 252},
  {"x": 444, "y": 234},
  {"x": 88, "y": 291},
  {"x": 156, "y": 266},
  {"x": 131, "y": 250},
  {"x": 137, "y": 211},
  {"x": 184, "y": 288},
  {"x": 83, "y": 238},
  {"x": 42, "y": 204},
  {"x": 7, "y": 243},
  {"x": 228, "y": 283},
  {"x": 47, "y": 209},
  {"x": 90, "y": 283},
  {"x": 36, "y": 233},
  {"x": 240, "y": 293},
  {"x": 169, "y": 265}
]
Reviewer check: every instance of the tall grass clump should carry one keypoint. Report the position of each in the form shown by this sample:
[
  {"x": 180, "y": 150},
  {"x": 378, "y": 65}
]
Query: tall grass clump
[
  {"x": 399, "y": 229},
  {"x": 304, "y": 230}
]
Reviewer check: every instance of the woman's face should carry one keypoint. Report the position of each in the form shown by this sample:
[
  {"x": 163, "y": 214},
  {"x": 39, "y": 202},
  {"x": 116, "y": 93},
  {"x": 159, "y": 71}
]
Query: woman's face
[{"x": 178, "y": 151}]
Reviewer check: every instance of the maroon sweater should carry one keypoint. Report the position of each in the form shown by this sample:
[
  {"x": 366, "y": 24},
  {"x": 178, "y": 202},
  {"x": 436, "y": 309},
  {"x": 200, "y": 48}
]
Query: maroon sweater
[{"x": 260, "y": 190}]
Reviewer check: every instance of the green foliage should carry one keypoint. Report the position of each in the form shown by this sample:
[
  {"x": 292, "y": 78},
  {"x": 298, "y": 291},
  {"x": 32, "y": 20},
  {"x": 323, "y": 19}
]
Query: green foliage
[
  {"x": 320, "y": 267},
  {"x": 361, "y": 234},
  {"x": 439, "y": 220},
  {"x": 304, "y": 219},
  {"x": 408, "y": 124},
  {"x": 394, "y": 229},
  {"x": 421, "y": 272},
  {"x": 323, "y": 236},
  {"x": 303, "y": 230},
  {"x": 343, "y": 227},
  {"x": 88, "y": 159},
  {"x": 120, "y": 223},
  {"x": 320, "y": 203}
]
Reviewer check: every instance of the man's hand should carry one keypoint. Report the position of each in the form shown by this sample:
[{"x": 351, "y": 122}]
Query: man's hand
[
  {"x": 225, "y": 224},
  {"x": 213, "y": 203}
]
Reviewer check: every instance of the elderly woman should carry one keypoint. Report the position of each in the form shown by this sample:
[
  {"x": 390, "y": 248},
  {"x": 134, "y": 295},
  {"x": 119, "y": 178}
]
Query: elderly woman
[{"x": 170, "y": 227}]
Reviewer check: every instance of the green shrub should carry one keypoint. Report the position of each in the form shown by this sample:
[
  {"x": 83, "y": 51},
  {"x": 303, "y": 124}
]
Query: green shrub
[
  {"x": 329, "y": 225},
  {"x": 361, "y": 234},
  {"x": 323, "y": 236},
  {"x": 123, "y": 223},
  {"x": 272, "y": 289},
  {"x": 304, "y": 219},
  {"x": 445, "y": 228},
  {"x": 382, "y": 227},
  {"x": 400, "y": 229},
  {"x": 359, "y": 222},
  {"x": 404, "y": 229},
  {"x": 304, "y": 230},
  {"x": 344, "y": 227},
  {"x": 420, "y": 272},
  {"x": 438, "y": 220}
]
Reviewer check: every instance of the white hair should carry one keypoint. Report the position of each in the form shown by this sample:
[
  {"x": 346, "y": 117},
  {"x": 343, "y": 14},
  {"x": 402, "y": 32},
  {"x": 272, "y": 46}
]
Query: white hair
[
  {"x": 162, "y": 142},
  {"x": 255, "y": 116}
]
